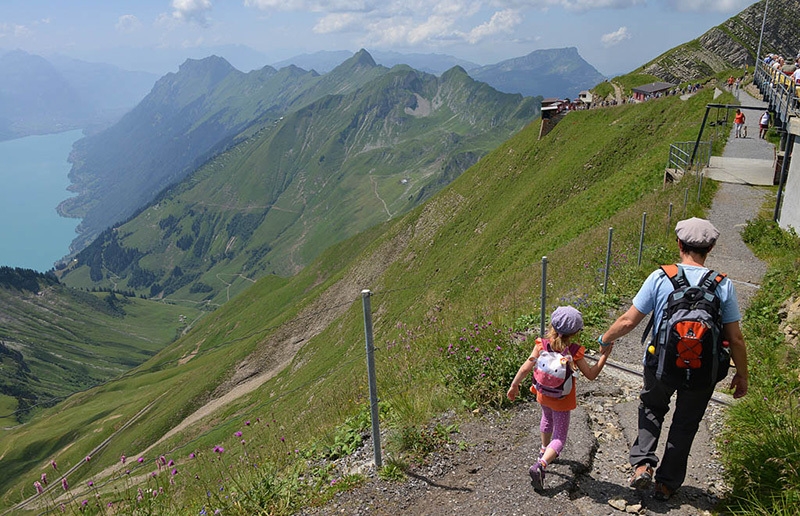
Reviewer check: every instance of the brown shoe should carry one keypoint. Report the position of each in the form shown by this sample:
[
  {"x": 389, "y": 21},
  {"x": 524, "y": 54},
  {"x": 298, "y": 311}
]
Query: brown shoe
[
  {"x": 642, "y": 476},
  {"x": 662, "y": 492}
]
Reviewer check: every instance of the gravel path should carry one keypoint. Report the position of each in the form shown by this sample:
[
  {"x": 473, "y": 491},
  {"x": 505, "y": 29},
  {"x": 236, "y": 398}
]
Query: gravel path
[{"x": 484, "y": 471}]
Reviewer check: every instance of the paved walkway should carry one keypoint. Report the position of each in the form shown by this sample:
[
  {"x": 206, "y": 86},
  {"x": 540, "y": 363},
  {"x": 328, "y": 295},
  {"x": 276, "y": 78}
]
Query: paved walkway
[{"x": 748, "y": 160}]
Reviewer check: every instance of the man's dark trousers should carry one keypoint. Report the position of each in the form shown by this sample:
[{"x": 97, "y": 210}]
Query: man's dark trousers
[{"x": 654, "y": 405}]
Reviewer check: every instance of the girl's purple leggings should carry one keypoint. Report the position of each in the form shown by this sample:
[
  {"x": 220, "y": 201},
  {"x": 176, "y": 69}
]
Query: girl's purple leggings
[{"x": 555, "y": 422}]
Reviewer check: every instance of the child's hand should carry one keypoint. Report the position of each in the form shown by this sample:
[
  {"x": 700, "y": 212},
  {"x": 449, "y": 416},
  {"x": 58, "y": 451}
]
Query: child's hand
[
  {"x": 606, "y": 350},
  {"x": 513, "y": 392}
]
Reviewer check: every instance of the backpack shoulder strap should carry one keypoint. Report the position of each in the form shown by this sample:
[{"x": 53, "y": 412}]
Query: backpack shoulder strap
[
  {"x": 675, "y": 275},
  {"x": 712, "y": 279}
]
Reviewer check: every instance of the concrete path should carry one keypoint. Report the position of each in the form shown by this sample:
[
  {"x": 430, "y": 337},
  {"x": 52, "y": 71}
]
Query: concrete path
[{"x": 747, "y": 160}]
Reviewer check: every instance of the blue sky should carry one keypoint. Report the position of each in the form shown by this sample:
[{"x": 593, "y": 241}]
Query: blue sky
[{"x": 157, "y": 35}]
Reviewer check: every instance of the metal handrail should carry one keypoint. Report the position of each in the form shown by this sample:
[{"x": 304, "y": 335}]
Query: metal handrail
[
  {"x": 779, "y": 90},
  {"x": 680, "y": 155}
]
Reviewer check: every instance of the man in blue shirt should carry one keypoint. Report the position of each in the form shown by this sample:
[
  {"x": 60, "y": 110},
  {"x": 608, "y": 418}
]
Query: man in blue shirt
[{"x": 696, "y": 237}]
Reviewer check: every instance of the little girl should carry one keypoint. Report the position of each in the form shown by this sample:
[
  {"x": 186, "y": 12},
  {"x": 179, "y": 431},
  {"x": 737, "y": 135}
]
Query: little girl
[{"x": 565, "y": 323}]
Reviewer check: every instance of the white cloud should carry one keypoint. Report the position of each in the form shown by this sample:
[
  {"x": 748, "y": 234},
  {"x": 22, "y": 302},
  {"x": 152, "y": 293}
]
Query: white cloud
[
  {"x": 616, "y": 37},
  {"x": 193, "y": 11},
  {"x": 14, "y": 30},
  {"x": 128, "y": 23},
  {"x": 501, "y": 21},
  {"x": 722, "y": 6}
]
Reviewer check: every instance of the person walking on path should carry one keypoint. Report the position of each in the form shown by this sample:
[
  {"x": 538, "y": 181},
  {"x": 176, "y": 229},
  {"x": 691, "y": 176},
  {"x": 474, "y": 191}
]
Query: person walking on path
[
  {"x": 695, "y": 238},
  {"x": 738, "y": 122},
  {"x": 565, "y": 324},
  {"x": 763, "y": 125}
]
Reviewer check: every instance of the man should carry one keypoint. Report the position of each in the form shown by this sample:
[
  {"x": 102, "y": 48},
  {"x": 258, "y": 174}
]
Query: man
[{"x": 696, "y": 237}]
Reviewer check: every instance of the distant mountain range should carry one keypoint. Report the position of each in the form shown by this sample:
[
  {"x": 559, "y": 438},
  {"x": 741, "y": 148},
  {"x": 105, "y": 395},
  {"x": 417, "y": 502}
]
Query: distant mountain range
[
  {"x": 561, "y": 73},
  {"x": 41, "y": 96},
  {"x": 311, "y": 159}
]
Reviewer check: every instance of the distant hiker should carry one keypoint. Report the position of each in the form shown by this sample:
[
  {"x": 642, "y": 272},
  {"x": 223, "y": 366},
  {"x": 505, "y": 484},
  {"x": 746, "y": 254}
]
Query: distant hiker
[
  {"x": 730, "y": 82},
  {"x": 696, "y": 237},
  {"x": 565, "y": 324},
  {"x": 763, "y": 125},
  {"x": 738, "y": 123}
]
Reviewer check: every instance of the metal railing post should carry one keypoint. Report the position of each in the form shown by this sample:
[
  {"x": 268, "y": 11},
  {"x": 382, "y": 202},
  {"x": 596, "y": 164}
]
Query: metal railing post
[
  {"x": 544, "y": 297},
  {"x": 641, "y": 239},
  {"x": 608, "y": 260},
  {"x": 373, "y": 384}
]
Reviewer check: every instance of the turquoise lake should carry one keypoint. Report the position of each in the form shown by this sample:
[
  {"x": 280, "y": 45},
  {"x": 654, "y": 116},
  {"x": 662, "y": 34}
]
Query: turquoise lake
[{"x": 33, "y": 181}]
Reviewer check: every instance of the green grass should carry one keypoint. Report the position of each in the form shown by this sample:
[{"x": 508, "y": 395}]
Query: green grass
[
  {"x": 762, "y": 438},
  {"x": 471, "y": 254}
]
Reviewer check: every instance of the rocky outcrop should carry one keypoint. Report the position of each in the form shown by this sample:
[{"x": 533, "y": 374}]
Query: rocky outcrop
[{"x": 732, "y": 44}]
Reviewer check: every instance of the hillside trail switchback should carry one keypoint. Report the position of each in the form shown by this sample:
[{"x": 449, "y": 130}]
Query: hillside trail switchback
[{"x": 485, "y": 468}]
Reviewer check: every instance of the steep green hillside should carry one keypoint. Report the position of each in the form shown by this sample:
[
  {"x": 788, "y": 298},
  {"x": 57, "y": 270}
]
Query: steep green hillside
[
  {"x": 291, "y": 351},
  {"x": 321, "y": 174},
  {"x": 55, "y": 341}
]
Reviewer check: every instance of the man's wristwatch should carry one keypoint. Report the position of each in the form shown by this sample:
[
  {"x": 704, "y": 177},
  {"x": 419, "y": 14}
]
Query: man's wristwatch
[{"x": 600, "y": 341}]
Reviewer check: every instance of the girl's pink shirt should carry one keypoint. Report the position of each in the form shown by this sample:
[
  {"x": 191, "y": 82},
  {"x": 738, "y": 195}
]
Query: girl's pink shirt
[{"x": 568, "y": 402}]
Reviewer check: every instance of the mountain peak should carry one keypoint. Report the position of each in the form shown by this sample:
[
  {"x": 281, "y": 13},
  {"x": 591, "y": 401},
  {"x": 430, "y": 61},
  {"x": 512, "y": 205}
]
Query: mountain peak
[{"x": 363, "y": 58}]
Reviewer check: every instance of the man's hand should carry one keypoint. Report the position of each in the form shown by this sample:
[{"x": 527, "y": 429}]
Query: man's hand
[{"x": 739, "y": 385}]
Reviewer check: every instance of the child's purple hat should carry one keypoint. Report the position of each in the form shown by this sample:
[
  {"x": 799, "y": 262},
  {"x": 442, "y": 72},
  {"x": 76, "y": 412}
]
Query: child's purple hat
[{"x": 566, "y": 320}]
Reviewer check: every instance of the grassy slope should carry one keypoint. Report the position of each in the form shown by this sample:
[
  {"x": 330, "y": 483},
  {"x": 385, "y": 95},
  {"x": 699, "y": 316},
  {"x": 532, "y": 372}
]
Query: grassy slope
[
  {"x": 72, "y": 340},
  {"x": 472, "y": 252}
]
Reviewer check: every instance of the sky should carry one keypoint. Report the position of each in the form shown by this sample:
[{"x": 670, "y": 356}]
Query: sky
[{"x": 615, "y": 36}]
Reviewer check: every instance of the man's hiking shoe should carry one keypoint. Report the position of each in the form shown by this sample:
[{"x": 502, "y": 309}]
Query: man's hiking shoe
[
  {"x": 537, "y": 476},
  {"x": 642, "y": 477},
  {"x": 662, "y": 492}
]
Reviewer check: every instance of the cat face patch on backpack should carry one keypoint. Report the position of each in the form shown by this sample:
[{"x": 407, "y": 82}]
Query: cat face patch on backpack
[{"x": 553, "y": 375}]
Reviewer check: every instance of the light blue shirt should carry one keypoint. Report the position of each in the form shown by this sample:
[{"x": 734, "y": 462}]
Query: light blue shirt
[{"x": 657, "y": 287}]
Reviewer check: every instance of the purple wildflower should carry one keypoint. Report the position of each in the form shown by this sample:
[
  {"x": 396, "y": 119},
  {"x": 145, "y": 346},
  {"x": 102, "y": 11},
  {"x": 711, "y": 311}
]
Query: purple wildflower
[
  {"x": 238, "y": 434},
  {"x": 38, "y": 486},
  {"x": 64, "y": 484},
  {"x": 44, "y": 478}
]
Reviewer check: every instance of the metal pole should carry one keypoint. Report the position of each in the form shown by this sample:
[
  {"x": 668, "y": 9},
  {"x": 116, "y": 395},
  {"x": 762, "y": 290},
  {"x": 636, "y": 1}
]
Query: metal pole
[
  {"x": 699, "y": 187},
  {"x": 685, "y": 199},
  {"x": 544, "y": 296},
  {"x": 641, "y": 239},
  {"x": 761, "y": 36},
  {"x": 373, "y": 385},
  {"x": 669, "y": 218},
  {"x": 608, "y": 260},
  {"x": 781, "y": 182}
]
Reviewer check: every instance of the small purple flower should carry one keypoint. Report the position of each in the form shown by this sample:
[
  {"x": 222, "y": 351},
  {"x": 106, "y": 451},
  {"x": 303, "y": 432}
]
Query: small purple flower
[
  {"x": 247, "y": 423},
  {"x": 53, "y": 463},
  {"x": 85, "y": 503},
  {"x": 174, "y": 472},
  {"x": 163, "y": 460},
  {"x": 283, "y": 440},
  {"x": 38, "y": 486},
  {"x": 140, "y": 460},
  {"x": 219, "y": 449},
  {"x": 90, "y": 483},
  {"x": 44, "y": 478},
  {"x": 64, "y": 484},
  {"x": 171, "y": 463},
  {"x": 122, "y": 458},
  {"x": 88, "y": 458},
  {"x": 238, "y": 434},
  {"x": 192, "y": 455}
]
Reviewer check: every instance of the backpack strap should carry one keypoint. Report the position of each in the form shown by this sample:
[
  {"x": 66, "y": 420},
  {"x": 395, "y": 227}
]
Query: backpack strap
[
  {"x": 712, "y": 279},
  {"x": 676, "y": 275}
]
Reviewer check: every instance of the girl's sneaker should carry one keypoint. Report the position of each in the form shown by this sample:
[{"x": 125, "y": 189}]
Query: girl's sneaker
[{"x": 537, "y": 476}]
